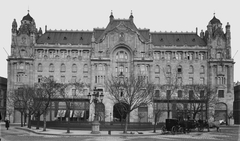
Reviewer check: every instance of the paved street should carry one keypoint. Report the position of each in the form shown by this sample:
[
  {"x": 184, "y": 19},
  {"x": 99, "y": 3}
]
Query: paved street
[{"x": 228, "y": 133}]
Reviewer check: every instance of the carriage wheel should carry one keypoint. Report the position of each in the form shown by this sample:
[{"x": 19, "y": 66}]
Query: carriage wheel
[
  {"x": 173, "y": 130},
  {"x": 163, "y": 128},
  {"x": 200, "y": 129},
  {"x": 180, "y": 130}
]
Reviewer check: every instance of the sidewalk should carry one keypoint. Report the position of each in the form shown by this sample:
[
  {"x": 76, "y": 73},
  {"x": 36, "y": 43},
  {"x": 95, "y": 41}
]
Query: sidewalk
[{"x": 86, "y": 133}]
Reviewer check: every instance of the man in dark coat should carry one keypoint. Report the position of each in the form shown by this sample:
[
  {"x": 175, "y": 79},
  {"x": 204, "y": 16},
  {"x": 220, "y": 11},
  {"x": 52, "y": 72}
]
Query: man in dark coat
[{"x": 7, "y": 122}]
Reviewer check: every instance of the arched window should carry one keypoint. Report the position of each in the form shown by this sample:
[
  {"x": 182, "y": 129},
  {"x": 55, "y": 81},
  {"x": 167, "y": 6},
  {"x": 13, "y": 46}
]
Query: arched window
[
  {"x": 202, "y": 70},
  {"x": 74, "y": 68},
  {"x": 191, "y": 70},
  {"x": 157, "y": 69},
  {"x": 85, "y": 68},
  {"x": 51, "y": 68},
  {"x": 63, "y": 68},
  {"x": 40, "y": 69}
]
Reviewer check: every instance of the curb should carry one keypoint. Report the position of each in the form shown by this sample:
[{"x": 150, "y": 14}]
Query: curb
[{"x": 69, "y": 134}]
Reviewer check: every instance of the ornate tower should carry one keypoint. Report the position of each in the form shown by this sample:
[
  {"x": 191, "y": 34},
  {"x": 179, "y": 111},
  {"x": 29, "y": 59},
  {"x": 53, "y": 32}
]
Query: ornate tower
[
  {"x": 21, "y": 60},
  {"x": 220, "y": 74}
]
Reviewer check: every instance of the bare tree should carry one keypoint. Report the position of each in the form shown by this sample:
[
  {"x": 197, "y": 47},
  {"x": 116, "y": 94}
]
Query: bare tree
[
  {"x": 172, "y": 83},
  {"x": 130, "y": 92},
  {"x": 46, "y": 91},
  {"x": 199, "y": 97},
  {"x": 26, "y": 97},
  {"x": 68, "y": 96},
  {"x": 158, "y": 110}
]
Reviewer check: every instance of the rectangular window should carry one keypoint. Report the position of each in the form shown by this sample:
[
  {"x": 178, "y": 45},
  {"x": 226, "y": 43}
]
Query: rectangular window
[
  {"x": 74, "y": 78},
  {"x": 168, "y": 94},
  {"x": 157, "y": 80},
  {"x": 73, "y": 92},
  {"x": 157, "y": 93},
  {"x": 96, "y": 79},
  {"x": 190, "y": 81},
  {"x": 201, "y": 94},
  {"x": 39, "y": 78},
  {"x": 202, "y": 80},
  {"x": 221, "y": 93},
  {"x": 179, "y": 93},
  {"x": 51, "y": 77},
  {"x": 190, "y": 94},
  {"x": 85, "y": 78},
  {"x": 62, "y": 79}
]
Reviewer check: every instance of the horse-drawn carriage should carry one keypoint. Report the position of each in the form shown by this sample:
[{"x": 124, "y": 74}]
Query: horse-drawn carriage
[{"x": 185, "y": 126}]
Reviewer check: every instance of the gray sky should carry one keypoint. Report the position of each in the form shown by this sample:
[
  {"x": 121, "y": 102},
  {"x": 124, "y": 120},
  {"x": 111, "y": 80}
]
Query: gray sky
[{"x": 156, "y": 15}]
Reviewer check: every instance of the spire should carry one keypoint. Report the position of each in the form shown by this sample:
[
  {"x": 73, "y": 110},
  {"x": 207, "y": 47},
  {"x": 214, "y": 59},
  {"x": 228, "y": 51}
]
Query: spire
[
  {"x": 131, "y": 16},
  {"x": 111, "y": 16}
]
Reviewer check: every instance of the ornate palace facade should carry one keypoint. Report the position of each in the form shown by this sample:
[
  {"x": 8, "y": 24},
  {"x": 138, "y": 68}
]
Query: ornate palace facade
[{"x": 120, "y": 48}]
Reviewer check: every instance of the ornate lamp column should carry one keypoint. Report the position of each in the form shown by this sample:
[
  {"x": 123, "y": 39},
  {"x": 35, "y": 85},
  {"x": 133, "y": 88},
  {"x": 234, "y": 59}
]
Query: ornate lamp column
[{"x": 96, "y": 98}]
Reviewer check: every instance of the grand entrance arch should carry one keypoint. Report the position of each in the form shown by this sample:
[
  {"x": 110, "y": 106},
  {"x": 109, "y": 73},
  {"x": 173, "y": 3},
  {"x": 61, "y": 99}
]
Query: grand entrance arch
[
  {"x": 120, "y": 112},
  {"x": 221, "y": 111}
]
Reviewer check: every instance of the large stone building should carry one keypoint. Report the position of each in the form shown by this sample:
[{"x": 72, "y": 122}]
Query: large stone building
[{"x": 120, "y": 48}]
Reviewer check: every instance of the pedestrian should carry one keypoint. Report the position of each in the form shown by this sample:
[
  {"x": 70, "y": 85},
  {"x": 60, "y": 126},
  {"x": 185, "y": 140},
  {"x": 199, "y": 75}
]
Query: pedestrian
[{"x": 7, "y": 122}]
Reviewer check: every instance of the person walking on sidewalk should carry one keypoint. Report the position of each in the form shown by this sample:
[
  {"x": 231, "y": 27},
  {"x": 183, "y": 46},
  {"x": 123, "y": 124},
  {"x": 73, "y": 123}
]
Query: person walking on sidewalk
[{"x": 7, "y": 122}]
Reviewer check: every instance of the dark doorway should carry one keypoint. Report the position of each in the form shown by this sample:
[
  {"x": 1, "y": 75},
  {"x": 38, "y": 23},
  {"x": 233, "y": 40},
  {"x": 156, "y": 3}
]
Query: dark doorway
[
  {"x": 100, "y": 109},
  {"x": 120, "y": 112}
]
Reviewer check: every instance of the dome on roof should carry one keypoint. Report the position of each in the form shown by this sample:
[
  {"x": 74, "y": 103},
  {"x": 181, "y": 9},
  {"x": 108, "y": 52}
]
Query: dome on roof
[
  {"x": 214, "y": 20},
  {"x": 27, "y": 18}
]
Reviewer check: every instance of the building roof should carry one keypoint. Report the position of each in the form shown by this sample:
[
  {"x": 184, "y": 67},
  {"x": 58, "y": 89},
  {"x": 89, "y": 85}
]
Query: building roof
[
  {"x": 66, "y": 37},
  {"x": 158, "y": 38},
  {"x": 178, "y": 39}
]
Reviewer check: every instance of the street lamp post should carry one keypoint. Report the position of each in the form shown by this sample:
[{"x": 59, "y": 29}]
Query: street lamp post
[{"x": 96, "y": 98}]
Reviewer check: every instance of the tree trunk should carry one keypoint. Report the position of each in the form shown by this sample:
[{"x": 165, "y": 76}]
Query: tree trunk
[
  {"x": 38, "y": 121},
  {"x": 68, "y": 123},
  {"x": 126, "y": 124},
  {"x": 25, "y": 119},
  {"x": 29, "y": 121},
  {"x": 168, "y": 110},
  {"x": 44, "y": 121},
  {"x": 155, "y": 123},
  {"x": 21, "y": 119}
]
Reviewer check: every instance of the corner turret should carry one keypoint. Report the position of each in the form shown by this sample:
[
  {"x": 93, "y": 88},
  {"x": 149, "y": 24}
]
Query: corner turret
[{"x": 14, "y": 27}]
